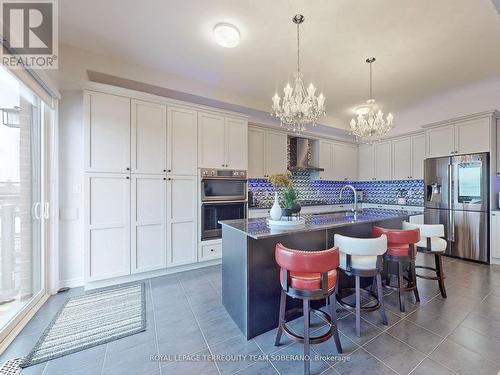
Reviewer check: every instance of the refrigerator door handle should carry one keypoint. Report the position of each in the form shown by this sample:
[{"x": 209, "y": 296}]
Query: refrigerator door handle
[
  {"x": 451, "y": 197},
  {"x": 451, "y": 226}
]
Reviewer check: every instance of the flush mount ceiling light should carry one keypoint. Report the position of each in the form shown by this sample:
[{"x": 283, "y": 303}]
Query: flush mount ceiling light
[
  {"x": 226, "y": 35},
  {"x": 370, "y": 125}
]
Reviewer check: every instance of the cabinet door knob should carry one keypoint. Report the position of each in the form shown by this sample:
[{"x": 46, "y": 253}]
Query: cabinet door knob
[
  {"x": 169, "y": 170},
  {"x": 128, "y": 178},
  {"x": 128, "y": 169},
  {"x": 164, "y": 179},
  {"x": 164, "y": 170}
]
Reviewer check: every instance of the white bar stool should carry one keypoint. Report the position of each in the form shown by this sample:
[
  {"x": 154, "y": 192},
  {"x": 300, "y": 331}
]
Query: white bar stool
[
  {"x": 362, "y": 257},
  {"x": 431, "y": 242}
]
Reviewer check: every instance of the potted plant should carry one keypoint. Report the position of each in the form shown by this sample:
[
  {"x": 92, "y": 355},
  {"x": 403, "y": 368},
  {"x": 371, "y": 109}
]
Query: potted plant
[{"x": 291, "y": 207}]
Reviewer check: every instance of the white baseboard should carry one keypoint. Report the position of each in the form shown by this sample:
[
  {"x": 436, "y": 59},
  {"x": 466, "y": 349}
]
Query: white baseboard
[
  {"x": 71, "y": 283},
  {"x": 148, "y": 275}
]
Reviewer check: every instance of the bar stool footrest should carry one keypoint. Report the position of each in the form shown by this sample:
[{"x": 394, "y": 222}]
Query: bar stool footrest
[
  {"x": 372, "y": 296},
  {"x": 313, "y": 339}
]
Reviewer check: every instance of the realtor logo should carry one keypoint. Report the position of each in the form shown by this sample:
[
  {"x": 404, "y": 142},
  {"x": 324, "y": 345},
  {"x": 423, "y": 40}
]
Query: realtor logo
[{"x": 29, "y": 34}]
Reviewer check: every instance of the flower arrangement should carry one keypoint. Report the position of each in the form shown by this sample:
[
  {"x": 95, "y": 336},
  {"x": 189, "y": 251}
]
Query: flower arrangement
[
  {"x": 280, "y": 180},
  {"x": 283, "y": 181}
]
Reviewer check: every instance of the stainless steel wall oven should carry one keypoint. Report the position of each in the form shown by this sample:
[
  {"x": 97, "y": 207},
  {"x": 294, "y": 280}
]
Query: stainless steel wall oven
[{"x": 223, "y": 197}]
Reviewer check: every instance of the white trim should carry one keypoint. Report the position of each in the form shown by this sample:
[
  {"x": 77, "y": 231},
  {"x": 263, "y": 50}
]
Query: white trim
[
  {"x": 75, "y": 282},
  {"x": 305, "y": 134},
  {"x": 491, "y": 113},
  {"x": 133, "y": 94}
]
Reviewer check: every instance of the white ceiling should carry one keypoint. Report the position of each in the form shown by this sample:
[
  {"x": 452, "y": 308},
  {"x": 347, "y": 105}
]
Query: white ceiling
[{"x": 422, "y": 47}]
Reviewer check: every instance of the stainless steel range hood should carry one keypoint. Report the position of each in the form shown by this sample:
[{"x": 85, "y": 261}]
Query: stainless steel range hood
[{"x": 300, "y": 155}]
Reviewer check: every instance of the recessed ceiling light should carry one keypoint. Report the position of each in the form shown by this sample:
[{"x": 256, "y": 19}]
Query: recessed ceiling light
[{"x": 226, "y": 35}]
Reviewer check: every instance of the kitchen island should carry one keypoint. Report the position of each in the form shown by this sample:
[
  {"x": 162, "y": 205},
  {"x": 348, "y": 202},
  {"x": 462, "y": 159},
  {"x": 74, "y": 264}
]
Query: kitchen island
[{"x": 250, "y": 275}]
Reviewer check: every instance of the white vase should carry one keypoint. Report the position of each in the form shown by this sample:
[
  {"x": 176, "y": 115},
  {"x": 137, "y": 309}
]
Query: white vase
[{"x": 275, "y": 212}]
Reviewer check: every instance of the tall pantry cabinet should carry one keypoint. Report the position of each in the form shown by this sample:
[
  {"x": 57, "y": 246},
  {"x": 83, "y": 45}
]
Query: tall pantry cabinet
[
  {"x": 125, "y": 186},
  {"x": 140, "y": 186}
]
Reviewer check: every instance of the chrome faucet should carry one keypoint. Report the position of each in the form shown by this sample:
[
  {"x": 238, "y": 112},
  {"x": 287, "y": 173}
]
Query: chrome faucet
[{"x": 355, "y": 203}]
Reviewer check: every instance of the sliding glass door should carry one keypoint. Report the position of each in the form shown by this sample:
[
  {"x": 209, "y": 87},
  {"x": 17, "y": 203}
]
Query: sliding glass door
[{"x": 22, "y": 205}]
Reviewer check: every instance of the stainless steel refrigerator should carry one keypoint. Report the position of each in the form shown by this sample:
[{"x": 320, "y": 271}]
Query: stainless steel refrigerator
[{"x": 457, "y": 195}]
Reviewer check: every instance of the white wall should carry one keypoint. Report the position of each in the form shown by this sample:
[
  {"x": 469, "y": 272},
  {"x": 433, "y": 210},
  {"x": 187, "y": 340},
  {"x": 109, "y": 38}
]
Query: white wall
[{"x": 476, "y": 97}]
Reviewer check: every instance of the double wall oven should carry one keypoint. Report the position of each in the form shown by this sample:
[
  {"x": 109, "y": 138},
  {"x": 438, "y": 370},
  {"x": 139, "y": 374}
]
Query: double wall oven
[{"x": 223, "y": 197}]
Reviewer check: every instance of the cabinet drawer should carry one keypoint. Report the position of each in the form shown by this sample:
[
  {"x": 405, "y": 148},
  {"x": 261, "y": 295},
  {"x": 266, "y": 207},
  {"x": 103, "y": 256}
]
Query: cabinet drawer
[{"x": 211, "y": 251}]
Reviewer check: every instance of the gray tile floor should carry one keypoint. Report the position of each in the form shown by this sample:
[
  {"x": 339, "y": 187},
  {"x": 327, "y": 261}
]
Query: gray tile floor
[{"x": 185, "y": 316}]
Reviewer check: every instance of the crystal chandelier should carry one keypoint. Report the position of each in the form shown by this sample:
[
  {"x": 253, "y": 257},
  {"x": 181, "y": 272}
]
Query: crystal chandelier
[
  {"x": 298, "y": 106},
  {"x": 370, "y": 125}
]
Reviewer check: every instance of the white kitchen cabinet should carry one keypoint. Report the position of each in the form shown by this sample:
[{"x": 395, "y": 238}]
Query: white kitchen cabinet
[
  {"x": 256, "y": 152},
  {"x": 107, "y": 226},
  {"x": 148, "y": 223},
  {"x": 495, "y": 236},
  {"x": 383, "y": 161},
  {"x": 211, "y": 140},
  {"x": 366, "y": 163},
  {"x": 472, "y": 136},
  {"x": 236, "y": 143},
  {"x": 182, "y": 140},
  {"x": 417, "y": 156},
  {"x": 459, "y": 137},
  {"x": 210, "y": 250},
  {"x": 182, "y": 221},
  {"x": 267, "y": 153},
  {"x": 345, "y": 162},
  {"x": 326, "y": 160},
  {"x": 107, "y": 132},
  {"x": 276, "y": 159},
  {"x": 222, "y": 142},
  {"x": 440, "y": 141},
  {"x": 148, "y": 137},
  {"x": 401, "y": 158}
]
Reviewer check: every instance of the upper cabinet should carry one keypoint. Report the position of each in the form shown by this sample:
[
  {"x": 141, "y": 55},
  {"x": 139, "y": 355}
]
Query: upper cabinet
[
  {"x": 267, "y": 153},
  {"x": 211, "y": 140},
  {"x": 396, "y": 159},
  {"x": 417, "y": 157},
  {"x": 276, "y": 158},
  {"x": 408, "y": 155},
  {"x": 459, "y": 137},
  {"x": 401, "y": 156},
  {"x": 366, "y": 162},
  {"x": 222, "y": 142},
  {"x": 383, "y": 160},
  {"x": 236, "y": 143},
  {"x": 182, "y": 137},
  {"x": 107, "y": 132},
  {"x": 440, "y": 141},
  {"x": 148, "y": 137},
  {"x": 472, "y": 136},
  {"x": 326, "y": 160},
  {"x": 339, "y": 161}
]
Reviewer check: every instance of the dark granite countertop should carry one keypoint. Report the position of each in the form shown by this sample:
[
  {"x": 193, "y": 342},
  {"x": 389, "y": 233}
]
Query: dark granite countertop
[
  {"x": 339, "y": 204},
  {"x": 259, "y": 229}
]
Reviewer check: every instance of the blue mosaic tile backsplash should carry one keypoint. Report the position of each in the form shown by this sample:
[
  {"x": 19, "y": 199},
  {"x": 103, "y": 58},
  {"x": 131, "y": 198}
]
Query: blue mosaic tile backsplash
[{"x": 380, "y": 192}]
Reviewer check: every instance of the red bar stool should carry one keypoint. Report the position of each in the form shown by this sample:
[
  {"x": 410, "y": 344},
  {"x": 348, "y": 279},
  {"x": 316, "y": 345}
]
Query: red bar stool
[
  {"x": 401, "y": 251},
  {"x": 308, "y": 275},
  {"x": 362, "y": 257},
  {"x": 431, "y": 242}
]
